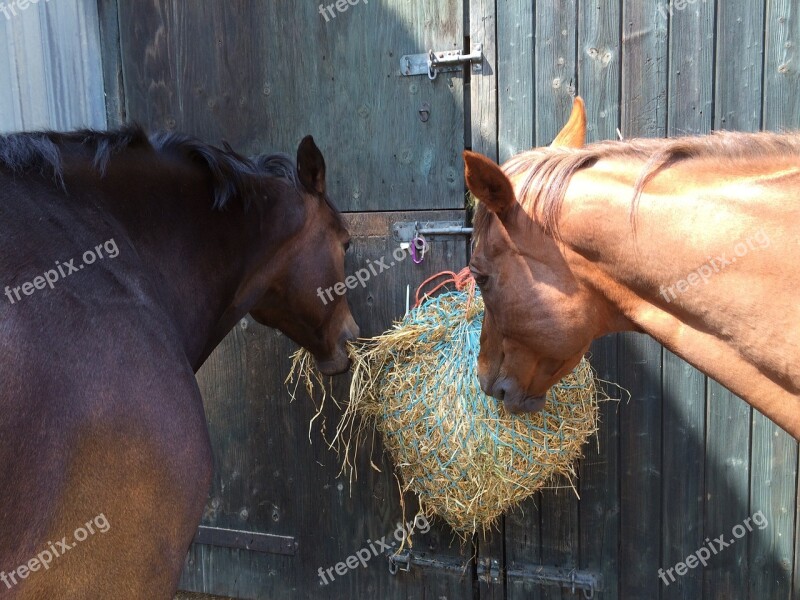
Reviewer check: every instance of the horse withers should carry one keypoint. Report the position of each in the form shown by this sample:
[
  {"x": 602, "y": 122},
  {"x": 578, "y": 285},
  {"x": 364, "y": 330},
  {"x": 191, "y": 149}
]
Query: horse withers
[
  {"x": 692, "y": 240},
  {"x": 124, "y": 260}
]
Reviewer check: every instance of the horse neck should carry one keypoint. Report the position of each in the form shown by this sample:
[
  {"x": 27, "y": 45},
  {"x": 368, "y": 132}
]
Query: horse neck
[
  {"x": 195, "y": 257},
  {"x": 708, "y": 269}
]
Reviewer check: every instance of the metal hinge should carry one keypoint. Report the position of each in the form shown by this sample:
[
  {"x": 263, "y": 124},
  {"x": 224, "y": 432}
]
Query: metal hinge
[
  {"x": 246, "y": 540},
  {"x": 432, "y": 63}
]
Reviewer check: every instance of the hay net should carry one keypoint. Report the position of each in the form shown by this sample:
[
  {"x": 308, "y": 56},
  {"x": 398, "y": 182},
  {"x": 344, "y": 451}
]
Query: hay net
[{"x": 466, "y": 458}]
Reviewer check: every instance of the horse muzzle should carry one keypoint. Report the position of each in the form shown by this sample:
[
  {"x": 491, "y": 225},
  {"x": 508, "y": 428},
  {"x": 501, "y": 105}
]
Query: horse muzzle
[
  {"x": 514, "y": 399},
  {"x": 340, "y": 362}
]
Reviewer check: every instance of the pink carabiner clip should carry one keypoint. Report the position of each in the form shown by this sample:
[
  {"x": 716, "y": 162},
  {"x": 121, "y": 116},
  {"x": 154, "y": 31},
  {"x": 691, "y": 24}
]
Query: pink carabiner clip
[{"x": 418, "y": 243}]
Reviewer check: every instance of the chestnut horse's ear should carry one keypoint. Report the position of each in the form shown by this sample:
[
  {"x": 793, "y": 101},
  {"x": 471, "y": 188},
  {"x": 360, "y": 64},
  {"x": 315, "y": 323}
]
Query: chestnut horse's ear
[
  {"x": 488, "y": 183},
  {"x": 574, "y": 133},
  {"x": 311, "y": 166}
]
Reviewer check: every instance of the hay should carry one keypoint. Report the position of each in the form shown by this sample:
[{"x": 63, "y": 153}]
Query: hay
[{"x": 466, "y": 458}]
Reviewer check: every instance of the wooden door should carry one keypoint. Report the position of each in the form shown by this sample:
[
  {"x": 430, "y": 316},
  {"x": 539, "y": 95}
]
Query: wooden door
[{"x": 261, "y": 75}]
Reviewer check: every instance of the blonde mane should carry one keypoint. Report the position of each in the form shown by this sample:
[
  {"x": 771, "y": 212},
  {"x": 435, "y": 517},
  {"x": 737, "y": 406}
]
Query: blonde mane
[{"x": 547, "y": 172}]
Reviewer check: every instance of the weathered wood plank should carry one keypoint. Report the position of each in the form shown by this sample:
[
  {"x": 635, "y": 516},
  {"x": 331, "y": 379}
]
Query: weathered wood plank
[
  {"x": 264, "y": 74},
  {"x": 726, "y": 490},
  {"x": 598, "y": 81},
  {"x": 515, "y": 76},
  {"x": 483, "y": 86},
  {"x": 691, "y": 70},
  {"x": 644, "y": 71},
  {"x": 774, "y": 453},
  {"x": 772, "y": 493},
  {"x": 108, "y": 18},
  {"x": 599, "y": 64},
  {"x": 643, "y": 114},
  {"x": 739, "y": 47},
  {"x": 516, "y": 91},
  {"x": 739, "y": 68},
  {"x": 556, "y": 66},
  {"x": 484, "y": 17},
  {"x": 781, "y": 65},
  {"x": 599, "y": 477},
  {"x": 683, "y": 474},
  {"x": 555, "y": 76},
  {"x": 640, "y": 443},
  {"x": 691, "y": 77}
]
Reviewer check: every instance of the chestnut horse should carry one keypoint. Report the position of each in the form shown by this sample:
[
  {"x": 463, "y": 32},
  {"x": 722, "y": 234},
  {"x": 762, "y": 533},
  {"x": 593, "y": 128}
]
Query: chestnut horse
[
  {"x": 124, "y": 260},
  {"x": 694, "y": 241}
]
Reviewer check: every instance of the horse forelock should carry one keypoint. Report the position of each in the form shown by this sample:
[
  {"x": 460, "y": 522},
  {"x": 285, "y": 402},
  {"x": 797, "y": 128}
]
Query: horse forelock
[{"x": 544, "y": 174}]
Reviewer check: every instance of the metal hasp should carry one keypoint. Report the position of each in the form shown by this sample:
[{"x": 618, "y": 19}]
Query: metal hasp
[
  {"x": 246, "y": 540},
  {"x": 432, "y": 63},
  {"x": 572, "y": 579},
  {"x": 405, "y": 231},
  {"x": 489, "y": 569}
]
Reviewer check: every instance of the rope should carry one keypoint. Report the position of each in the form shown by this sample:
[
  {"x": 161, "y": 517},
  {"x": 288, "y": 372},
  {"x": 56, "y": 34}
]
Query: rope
[{"x": 463, "y": 280}]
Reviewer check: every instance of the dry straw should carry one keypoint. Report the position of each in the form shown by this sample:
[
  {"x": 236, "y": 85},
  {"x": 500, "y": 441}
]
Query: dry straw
[{"x": 466, "y": 458}]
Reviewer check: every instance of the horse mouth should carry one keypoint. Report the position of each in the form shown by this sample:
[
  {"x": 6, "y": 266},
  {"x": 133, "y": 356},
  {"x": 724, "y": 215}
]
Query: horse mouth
[
  {"x": 528, "y": 404},
  {"x": 513, "y": 398},
  {"x": 335, "y": 365}
]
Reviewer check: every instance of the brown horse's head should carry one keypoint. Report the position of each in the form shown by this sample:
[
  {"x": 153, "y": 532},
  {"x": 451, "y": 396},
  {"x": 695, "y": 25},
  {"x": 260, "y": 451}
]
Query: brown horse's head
[
  {"x": 309, "y": 261},
  {"x": 537, "y": 323}
]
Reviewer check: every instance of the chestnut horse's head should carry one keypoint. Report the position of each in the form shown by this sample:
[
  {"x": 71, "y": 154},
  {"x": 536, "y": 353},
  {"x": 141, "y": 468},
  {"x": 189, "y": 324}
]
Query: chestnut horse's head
[
  {"x": 310, "y": 261},
  {"x": 537, "y": 323}
]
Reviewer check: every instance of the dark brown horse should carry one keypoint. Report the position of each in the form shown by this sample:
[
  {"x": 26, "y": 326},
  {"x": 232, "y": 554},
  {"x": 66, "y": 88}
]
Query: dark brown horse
[
  {"x": 124, "y": 260},
  {"x": 691, "y": 240}
]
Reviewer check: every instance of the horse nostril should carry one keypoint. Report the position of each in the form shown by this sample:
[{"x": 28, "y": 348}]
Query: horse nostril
[
  {"x": 350, "y": 335},
  {"x": 501, "y": 388}
]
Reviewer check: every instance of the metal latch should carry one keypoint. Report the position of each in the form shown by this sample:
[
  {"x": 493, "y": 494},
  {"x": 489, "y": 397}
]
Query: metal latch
[
  {"x": 405, "y": 231},
  {"x": 489, "y": 570},
  {"x": 444, "y": 61}
]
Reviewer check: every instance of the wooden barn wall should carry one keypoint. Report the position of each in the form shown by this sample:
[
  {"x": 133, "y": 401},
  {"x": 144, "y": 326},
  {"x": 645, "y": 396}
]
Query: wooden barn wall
[
  {"x": 50, "y": 66},
  {"x": 683, "y": 460},
  {"x": 680, "y": 462}
]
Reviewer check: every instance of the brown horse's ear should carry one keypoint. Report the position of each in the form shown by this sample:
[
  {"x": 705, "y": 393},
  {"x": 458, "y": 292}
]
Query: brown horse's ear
[
  {"x": 488, "y": 183},
  {"x": 574, "y": 133},
  {"x": 311, "y": 166}
]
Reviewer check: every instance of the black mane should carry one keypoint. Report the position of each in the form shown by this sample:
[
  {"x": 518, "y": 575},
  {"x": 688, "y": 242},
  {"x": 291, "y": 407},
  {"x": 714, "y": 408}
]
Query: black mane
[{"x": 232, "y": 175}]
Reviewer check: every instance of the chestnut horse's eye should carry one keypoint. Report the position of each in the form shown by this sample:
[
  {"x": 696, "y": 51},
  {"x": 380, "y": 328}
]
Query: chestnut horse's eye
[{"x": 480, "y": 279}]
